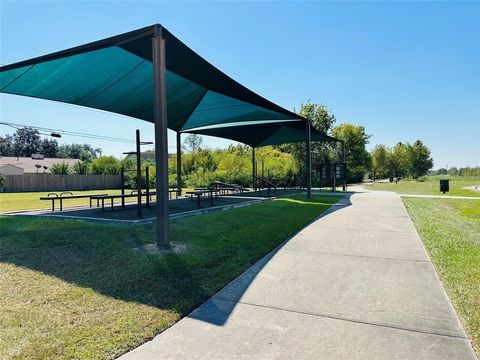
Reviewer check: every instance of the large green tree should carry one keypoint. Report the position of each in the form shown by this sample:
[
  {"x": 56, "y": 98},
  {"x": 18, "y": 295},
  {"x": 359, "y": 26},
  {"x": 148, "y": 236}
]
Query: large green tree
[
  {"x": 399, "y": 161},
  {"x": 26, "y": 141},
  {"x": 321, "y": 119},
  {"x": 6, "y": 146},
  {"x": 357, "y": 156},
  {"x": 420, "y": 161},
  {"x": 379, "y": 161}
]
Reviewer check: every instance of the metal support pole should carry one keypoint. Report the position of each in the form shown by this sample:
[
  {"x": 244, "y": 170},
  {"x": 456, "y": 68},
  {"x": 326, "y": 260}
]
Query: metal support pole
[
  {"x": 253, "y": 170},
  {"x": 179, "y": 164},
  {"x": 147, "y": 186},
  {"x": 334, "y": 187},
  {"x": 309, "y": 162},
  {"x": 139, "y": 176},
  {"x": 161, "y": 145},
  {"x": 122, "y": 180},
  {"x": 344, "y": 155},
  {"x": 256, "y": 175}
]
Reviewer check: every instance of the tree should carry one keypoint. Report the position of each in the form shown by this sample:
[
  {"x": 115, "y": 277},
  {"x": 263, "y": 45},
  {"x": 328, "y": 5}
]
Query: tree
[
  {"x": 60, "y": 169},
  {"x": 380, "y": 161},
  {"x": 81, "y": 168},
  {"x": 49, "y": 148},
  {"x": 6, "y": 146},
  {"x": 105, "y": 165},
  {"x": 357, "y": 156},
  {"x": 26, "y": 142},
  {"x": 84, "y": 152},
  {"x": 442, "y": 171},
  {"x": 192, "y": 143},
  {"x": 322, "y": 119},
  {"x": 420, "y": 160},
  {"x": 398, "y": 161}
]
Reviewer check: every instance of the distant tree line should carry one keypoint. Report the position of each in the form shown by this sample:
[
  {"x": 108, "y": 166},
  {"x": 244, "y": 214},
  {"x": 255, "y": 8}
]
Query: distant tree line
[
  {"x": 283, "y": 164},
  {"x": 27, "y": 141},
  {"x": 454, "y": 171},
  {"x": 403, "y": 160}
]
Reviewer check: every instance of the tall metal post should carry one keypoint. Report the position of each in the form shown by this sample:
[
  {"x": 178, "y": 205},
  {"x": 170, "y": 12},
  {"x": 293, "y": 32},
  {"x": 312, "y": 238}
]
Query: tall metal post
[
  {"x": 334, "y": 186},
  {"x": 139, "y": 175},
  {"x": 344, "y": 155},
  {"x": 147, "y": 186},
  {"x": 161, "y": 145},
  {"x": 309, "y": 162},
  {"x": 179, "y": 164},
  {"x": 122, "y": 179},
  {"x": 253, "y": 170}
]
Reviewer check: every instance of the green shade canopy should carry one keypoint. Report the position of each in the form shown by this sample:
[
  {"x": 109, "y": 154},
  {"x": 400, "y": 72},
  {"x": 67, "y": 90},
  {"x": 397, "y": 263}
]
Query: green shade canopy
[
  {"x": 116, "y": 75},
  {"x": 257, "y": 135}
]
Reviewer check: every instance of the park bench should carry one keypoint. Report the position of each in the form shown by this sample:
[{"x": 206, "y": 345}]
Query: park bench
[
  {"x": 133, "y": 194},
  {"x": 225, "y": 188},
  {"x": 55, "y": 197},
  {"x": 200, "y": 193},
  {"x": 173, "y": 191}
]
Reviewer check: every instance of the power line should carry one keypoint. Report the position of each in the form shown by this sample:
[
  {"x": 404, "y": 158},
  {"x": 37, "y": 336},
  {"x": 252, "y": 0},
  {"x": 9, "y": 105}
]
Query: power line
[{"x": 50, "y": 131}]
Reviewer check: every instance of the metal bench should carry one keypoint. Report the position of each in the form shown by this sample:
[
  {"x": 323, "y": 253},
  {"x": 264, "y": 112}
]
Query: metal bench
[
  {"x": 104, "y": 197},
  {"x": 200, "y": 193},
  {"x": 54, "y": 197}
]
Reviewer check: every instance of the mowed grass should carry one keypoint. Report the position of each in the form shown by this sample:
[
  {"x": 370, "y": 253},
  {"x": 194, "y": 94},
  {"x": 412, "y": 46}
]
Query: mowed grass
[
  {"x": 459, "y": 186},
  {"x": 450, "y": 229},
  {"x": 31, "y": 200},
  {"x": 80, "y": 290}
]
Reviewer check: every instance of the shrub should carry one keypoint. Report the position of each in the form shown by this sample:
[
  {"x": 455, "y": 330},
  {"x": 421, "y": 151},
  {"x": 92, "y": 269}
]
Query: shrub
[{"x": 60, "y": 169}]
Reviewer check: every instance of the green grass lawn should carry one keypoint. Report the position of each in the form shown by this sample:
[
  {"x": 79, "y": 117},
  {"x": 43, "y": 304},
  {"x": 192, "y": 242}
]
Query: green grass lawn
[
  {"x": 430, "y": 186},
  {"x": 80, "y": 290},
  {"x": 31, "y": 200},
  {"x": 450, "y": 229}
]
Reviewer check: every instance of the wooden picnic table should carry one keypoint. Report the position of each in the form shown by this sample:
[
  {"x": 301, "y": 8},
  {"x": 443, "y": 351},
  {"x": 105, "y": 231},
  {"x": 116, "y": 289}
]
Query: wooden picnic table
[{"x": 54, "y": 197}]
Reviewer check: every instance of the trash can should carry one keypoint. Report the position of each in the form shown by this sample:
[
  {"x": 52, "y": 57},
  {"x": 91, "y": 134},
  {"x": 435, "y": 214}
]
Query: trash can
[{"x": 444, "y": 185}]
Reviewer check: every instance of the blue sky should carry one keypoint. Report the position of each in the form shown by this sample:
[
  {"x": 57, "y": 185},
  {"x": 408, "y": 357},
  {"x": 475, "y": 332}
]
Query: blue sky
[{"x": 404, "y": 70}]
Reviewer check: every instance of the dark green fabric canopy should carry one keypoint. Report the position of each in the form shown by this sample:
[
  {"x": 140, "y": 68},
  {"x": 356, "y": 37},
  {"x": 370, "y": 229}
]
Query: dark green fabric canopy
[
  {"x": 115, "y": 75},
  {"x": 257, "y": 135}
]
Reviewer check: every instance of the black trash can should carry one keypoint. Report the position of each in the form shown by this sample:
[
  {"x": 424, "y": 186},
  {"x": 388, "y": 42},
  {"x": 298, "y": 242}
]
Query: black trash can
[{"x": 444, "y": 185}]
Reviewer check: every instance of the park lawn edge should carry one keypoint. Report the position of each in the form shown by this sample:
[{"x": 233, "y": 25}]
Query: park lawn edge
[
  {"x": 463, "y": 302},
  {"x": 250, "y": 257}
]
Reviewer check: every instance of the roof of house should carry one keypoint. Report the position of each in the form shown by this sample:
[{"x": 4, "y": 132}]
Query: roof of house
[{"x": 28, "y": 164}]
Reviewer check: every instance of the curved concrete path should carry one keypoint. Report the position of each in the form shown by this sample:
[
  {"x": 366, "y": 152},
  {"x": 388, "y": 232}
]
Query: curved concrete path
[{"x": 355, "y": 284}]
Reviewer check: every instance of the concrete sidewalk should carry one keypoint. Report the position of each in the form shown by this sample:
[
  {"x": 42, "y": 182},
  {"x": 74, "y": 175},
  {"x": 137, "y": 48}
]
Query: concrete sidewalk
[{"x": 355, "y": 284}]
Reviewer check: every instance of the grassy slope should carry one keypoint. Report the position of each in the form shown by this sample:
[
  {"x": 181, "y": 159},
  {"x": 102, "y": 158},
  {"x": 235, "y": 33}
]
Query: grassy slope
[
  {"x": 78, "y": 290},
  {"x": 450, "y": 230},
  {"x": 431, "y": 186}
]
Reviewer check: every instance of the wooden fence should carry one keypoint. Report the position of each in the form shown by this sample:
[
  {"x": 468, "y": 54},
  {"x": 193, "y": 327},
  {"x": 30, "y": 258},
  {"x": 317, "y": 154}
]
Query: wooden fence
[{"x": 49, "y": 182}]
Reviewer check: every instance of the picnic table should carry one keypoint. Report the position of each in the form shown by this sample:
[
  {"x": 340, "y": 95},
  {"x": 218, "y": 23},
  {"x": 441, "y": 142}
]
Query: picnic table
[
  {"x": 200, "y": 193},
  {"x": 225, "y": 188},
  {"x": 173, "y": 191},
  {"x": 104, "y": 197},
  {"x": 65, "y": 196}
]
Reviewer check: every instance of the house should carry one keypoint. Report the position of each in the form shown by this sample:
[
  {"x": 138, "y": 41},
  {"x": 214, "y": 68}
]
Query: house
[{"x": 25, "y": 165}]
